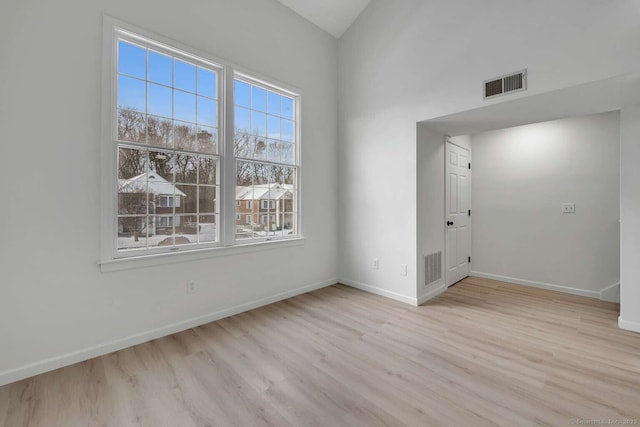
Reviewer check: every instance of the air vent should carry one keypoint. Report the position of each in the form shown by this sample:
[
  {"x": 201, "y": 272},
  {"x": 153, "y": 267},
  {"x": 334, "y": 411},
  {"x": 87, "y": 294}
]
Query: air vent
[
  {"x": 432, "y": 268},
  {"x": 514, "y": 82}
]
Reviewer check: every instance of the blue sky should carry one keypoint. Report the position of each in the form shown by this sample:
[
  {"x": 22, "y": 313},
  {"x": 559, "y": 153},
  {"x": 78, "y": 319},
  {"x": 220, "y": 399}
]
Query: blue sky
[{"x": 172, "y": 88}]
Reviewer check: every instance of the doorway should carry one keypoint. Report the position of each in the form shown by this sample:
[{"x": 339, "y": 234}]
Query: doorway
[{"x": 458, "y": 212}]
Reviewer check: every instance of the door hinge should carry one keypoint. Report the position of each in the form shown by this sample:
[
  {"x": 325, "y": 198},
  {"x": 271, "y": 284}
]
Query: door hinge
[
  {"x": 469, "y": 165},
  {"x": 469, "y": 212},
  {"x": 469, "y": 259}
]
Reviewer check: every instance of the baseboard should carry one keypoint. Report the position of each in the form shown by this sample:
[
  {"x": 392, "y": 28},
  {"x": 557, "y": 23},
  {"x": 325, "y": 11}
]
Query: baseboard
[
  {"x": 628, "y": 325},
  {"x": 46, "y": 365},
  {"x": 541, "y": 285},
  {"x": 431, "y": 293},
  {"x": 611, "y": 293},
  {"x": 379, "y": 291}
]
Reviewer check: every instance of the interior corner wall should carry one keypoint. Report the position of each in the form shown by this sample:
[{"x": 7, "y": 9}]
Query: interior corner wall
[
  {"x": 430, "y": 184},
  {"x": 630, "y": 218},
  {"x": 521, "y": 178},
  {"x": 406, "y": 61},
  {"x": 54, "y": 302}
]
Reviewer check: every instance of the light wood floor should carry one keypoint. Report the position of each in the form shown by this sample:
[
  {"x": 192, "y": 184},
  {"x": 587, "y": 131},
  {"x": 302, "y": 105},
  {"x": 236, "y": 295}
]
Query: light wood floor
[{"x": 482, "y": 353}]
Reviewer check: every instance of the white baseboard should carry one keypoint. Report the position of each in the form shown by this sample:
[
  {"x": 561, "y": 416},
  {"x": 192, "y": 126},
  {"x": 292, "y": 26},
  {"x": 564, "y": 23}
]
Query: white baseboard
[
  {"x": 628, "y": 325},
  {"x": 611, "y": 293},
  {"x": 379, "y": 291},
  {"x": 50, "y": 364},
  {"x": 431, "y": 292},
  {"x": 542, "y": 285}
]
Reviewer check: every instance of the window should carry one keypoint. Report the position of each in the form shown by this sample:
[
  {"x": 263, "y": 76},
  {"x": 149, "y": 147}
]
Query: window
[
  {"x": 265, "y": 146},
  {"x": 267, "y": 204},
  {"x": 175, "y": 154}
]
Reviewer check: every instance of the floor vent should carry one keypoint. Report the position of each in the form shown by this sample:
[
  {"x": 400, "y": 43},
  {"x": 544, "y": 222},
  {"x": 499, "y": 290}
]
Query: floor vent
[
  {"x": 514, "y": 82},
  {"x": 432, "y": 268}
]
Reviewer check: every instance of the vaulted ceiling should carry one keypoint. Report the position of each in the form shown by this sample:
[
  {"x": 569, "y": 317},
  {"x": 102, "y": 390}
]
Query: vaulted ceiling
[{"x": 333, "y": 16}]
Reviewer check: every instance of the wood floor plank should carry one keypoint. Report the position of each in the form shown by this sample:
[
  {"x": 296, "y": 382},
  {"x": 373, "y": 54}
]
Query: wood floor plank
[{"x": 482, "y": 353}]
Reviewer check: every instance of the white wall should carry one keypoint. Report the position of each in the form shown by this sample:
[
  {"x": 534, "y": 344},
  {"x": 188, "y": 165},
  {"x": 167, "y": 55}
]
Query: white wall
[
  {"x": 630, "y": 219},
  {"x": 405, "y": 61},
  {"x": 53, "y": 298},
  {"x": 521, "y": 177}
]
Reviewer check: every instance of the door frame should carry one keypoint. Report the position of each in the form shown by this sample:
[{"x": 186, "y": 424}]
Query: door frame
[{"x": 447, "y": 140}]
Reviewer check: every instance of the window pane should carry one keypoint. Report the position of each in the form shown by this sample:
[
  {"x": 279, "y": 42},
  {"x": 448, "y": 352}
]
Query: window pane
[
  {"x": 287, "y": 130},
  {"x": 273, "y": 103},
  {"x": 207, "y": 139},
  {"x": 207, "y": 112},
  {"x": 207, "y": 171},
  {"x": 287, "y": 177},
  {"x": 132, "y": 94},
  {"x": 131, "y": 126},
  {"x": 287, "y": 108},
  {"x": 160, "y": 100},
  {"x": 258, "y": 123},
  {"x": 273, "y": 127},
  {"x": 161, "y": 164},
  {"x": 258, "y": 99},
  {"x": 207, "y": 230},
  {"x": 207, "y": 197},
  {"x": 273, "y": 150},
  {"x": 132, "y": 162},
  {"x": 287, "y": 152},
  {"x": 207, "y": 82},
  {"x": 132, "y": 60},
  {"x": 244, "y": 144},
  {"x": 185, "y": 168},
  {"x": 242, "y": 119},
  {"x": 184, "y": 136},
  {"x": 242, "y": 94},
  {"x": 160, "y": 68},
  {"x": 184, "y": 106},
  {"x": 132, "y": 232},
  {"x": 260, "y": 151},
  {"x": 186, "y": 199},
  {"x": 185, "y": 76},
  {"x": 159, "y": 131}
]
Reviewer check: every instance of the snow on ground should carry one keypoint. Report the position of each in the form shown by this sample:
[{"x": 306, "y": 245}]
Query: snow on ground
[{"x": 207, "y": 234}]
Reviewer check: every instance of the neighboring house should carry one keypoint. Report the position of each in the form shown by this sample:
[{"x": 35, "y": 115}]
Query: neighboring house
[
  {"x": 264, "y": 207},
  {"x": 163, "y": 198}
]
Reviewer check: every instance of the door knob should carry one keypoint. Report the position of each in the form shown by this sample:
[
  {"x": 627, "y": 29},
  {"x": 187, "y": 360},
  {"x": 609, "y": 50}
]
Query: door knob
[{"x": 449, "y": 223}]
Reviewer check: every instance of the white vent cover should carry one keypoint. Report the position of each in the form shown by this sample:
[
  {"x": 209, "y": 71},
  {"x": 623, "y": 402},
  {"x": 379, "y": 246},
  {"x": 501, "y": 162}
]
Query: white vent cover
[
  {"x": 509, "y": 83},
  {"x": 432, "y": 268}
]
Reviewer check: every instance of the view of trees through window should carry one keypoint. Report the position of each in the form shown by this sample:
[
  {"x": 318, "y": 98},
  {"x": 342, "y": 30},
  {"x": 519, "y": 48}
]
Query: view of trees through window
[{"x": 169, "y": 158}]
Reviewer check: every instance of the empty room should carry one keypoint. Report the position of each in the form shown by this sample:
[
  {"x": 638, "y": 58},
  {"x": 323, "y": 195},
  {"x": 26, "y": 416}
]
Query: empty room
[{"x": 320, "y": 213}]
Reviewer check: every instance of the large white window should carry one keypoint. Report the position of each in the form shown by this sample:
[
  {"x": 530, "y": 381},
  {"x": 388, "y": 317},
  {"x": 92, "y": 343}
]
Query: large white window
[
  {"x": 266, "y": 149},
  {"x": 175, "y": 156}
]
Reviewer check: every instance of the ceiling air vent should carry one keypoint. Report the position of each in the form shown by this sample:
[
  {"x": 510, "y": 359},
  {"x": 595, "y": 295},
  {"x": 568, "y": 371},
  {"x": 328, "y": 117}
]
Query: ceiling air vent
[{"x": 514, "y": 82}]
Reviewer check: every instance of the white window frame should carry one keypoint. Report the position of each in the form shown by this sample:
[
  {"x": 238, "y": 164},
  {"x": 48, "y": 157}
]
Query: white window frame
[
  {"x": 111, "y": 258},
  {"x": 249, "y": 204}
]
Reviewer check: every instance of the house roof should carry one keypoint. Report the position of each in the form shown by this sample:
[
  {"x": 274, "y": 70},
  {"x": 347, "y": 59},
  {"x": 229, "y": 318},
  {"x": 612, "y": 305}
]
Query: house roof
[
  {"x": 264, "y": 192},
  {"x": 155, "y": 183}
]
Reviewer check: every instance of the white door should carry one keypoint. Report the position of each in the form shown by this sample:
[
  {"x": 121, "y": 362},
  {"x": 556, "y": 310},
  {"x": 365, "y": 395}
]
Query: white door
[{"x": 458, "y": 239}]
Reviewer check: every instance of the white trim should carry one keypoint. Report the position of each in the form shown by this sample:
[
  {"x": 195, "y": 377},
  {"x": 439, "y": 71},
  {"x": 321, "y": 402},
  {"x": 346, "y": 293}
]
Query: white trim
[
  {"x": 432, "y": 293},
  {"x": 379, "y": 291},
  {"x": 67, "y": 359},
  {"x": 119, "y": 264},
  {"x": 628, "y": 325},
  {"x": 541, "y": 285},
  {"x": 611, "y": 293}
]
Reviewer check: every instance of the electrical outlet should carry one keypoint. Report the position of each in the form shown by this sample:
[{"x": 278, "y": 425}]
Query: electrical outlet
[
  {"x": 403, "y": 269},
  {"x": 569, "y": 208},
  {"x": 191, "y": 287},
  {"x": 376, "y": 264}
]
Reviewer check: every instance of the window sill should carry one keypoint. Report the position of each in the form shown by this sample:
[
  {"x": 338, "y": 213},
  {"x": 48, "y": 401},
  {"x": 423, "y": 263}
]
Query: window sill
[{"x": 134, "y": 262}]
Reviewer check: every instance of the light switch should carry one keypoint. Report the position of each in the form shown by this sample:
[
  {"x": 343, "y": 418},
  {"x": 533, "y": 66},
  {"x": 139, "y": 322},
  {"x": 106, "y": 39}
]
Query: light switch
[{"x": 569, "y": 208}]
